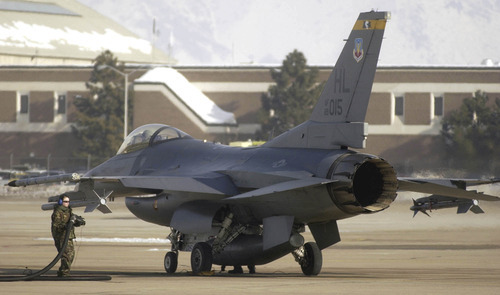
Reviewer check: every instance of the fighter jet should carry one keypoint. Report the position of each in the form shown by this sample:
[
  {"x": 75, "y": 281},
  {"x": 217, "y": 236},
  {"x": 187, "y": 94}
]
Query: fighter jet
[{"x": 235, "y": 206}]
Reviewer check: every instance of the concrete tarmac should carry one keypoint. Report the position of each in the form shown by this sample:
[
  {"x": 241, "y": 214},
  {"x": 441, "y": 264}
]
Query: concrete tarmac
[{"x": 384, "y": 253}]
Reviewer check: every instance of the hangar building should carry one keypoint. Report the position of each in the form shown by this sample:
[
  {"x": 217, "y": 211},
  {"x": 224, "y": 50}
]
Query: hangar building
[{"x": 40, "y": 77}]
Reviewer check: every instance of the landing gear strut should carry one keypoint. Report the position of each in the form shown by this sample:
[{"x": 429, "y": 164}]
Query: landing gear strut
[{"x": 171, "y": 258}]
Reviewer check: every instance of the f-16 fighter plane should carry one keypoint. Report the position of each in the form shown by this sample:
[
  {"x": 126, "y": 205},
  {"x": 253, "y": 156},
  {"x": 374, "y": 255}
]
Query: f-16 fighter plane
[{"x": 236, "y": 206}]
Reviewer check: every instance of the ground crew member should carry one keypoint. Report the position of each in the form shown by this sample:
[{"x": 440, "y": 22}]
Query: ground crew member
[{"x": 60, "y": 219}]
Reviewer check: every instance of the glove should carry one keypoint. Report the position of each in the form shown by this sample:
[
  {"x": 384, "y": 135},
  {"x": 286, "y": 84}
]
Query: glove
[{"x": 79, "y": 221}]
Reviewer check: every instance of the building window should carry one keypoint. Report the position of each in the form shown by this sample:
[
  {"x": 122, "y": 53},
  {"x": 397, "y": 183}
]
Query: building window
[
  {"x": 399, "y": 106},
  {"x": 61, "y": 104},
  {"x": 438, "y": 106},
  {"x": 24, "y": 103}
]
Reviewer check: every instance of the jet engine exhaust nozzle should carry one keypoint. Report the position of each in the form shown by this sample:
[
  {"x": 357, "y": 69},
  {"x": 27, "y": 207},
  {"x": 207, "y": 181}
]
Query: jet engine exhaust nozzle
[{"x": 366, "y": 183}]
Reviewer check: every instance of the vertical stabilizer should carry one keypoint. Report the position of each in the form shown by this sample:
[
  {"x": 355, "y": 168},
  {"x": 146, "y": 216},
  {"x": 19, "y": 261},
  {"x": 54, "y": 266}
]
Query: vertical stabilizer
[
  {"x": 338, "y": 118},
  {"x": 347, "y": 91}
]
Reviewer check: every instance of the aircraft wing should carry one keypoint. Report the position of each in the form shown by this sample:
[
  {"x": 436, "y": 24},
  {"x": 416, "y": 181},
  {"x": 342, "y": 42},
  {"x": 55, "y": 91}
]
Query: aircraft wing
[
  {"x": 212, "y": 183},
  {"x": 447, "y": 187}
]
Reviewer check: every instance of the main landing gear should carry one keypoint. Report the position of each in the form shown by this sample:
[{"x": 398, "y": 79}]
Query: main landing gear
[
  {"x": 201, "y": 259},
  {"x": 310, "y": 258},
  {"x": 201, "y": 254}
]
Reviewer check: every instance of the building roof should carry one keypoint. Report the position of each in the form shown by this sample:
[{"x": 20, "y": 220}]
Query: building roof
[
  {"x": 191, "y": 96},
  {"x": 66, "y": 32}
]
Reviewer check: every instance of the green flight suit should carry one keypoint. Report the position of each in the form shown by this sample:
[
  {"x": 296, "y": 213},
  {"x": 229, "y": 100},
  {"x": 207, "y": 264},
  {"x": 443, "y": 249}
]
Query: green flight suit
[{"x": 60, "y": 219}]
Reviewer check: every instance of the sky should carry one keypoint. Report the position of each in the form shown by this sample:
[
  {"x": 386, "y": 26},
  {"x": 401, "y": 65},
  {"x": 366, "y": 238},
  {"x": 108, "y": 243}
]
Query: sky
[{"x": 238, "y": 32}]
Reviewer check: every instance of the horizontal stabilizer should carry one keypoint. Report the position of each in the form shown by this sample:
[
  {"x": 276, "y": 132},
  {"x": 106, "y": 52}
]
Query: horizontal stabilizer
[
  {"x": 281, "y": 187},
  {"x": 472, "y": 182}
]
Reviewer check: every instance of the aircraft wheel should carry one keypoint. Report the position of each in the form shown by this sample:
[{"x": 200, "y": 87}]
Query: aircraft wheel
[
  {"x": 170, "y": 262},
  {"x": 201, "y": 258},
  {"x": 313, "y": 259}
]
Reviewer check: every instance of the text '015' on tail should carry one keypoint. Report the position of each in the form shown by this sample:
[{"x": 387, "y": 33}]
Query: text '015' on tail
[{"x": 234, "y": 206}]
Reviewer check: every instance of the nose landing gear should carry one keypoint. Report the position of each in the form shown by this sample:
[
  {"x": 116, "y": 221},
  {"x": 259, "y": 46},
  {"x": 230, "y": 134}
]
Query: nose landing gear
[{"x": 170, "y": 262}]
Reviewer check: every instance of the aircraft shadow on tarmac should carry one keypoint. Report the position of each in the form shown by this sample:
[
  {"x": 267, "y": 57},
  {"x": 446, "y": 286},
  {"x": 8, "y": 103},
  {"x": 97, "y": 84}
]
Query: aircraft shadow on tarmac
[{"x": 214, "y": 273}]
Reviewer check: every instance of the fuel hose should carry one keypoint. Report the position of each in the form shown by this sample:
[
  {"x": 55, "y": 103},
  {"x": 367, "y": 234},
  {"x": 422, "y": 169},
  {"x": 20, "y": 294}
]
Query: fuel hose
[{"x": 38, "y": 274}]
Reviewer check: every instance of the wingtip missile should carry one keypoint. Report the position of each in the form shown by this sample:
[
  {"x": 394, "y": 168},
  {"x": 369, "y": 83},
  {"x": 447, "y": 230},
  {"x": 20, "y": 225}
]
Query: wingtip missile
[
  {"x": 73, "y": 177},
  {"x": 435, "y": 202}
]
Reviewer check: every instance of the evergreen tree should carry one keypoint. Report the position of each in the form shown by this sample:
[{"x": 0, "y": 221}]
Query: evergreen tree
[
  {"x": 99, "y": 124},
  {"x": 472, "y": 135},
  {"x": 290, "y": 101}
]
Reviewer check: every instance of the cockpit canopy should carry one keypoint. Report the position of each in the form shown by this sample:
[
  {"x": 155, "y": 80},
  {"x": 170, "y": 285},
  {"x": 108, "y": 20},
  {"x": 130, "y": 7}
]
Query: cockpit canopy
[{"x": 148, "y": 135}]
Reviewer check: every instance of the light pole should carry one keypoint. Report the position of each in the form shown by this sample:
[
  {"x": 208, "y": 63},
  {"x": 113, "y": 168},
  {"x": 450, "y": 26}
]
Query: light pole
[{"x": 125, "y": 111}]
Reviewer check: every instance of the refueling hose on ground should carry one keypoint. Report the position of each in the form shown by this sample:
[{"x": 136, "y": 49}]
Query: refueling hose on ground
[{"x": 37, "y": 274}]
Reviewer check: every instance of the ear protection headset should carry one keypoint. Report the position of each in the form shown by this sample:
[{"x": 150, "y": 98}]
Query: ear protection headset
[{"x": 60, "y": 202}]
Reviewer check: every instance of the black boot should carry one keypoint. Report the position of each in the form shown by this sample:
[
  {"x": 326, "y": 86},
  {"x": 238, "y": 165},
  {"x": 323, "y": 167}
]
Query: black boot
[
  {"x": 251, "y": 269},
  {"x": 237, "y": 270}
]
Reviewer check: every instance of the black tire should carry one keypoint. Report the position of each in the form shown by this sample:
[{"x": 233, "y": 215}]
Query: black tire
[
  {"x": 201, "y": 258},
  {"x": 313, "y": 259},
  {"x": 170, "y": 262}
]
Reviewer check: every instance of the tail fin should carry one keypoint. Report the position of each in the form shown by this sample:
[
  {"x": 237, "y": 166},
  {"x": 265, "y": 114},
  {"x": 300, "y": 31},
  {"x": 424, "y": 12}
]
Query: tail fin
[
  {"x": 338, "y": 118},
  {"x": 346, "y": 93}
]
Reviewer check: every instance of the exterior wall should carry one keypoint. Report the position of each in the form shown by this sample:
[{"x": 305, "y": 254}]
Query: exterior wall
[
  {"x": 409, "y": 142},
  {"x": 38, "y": 148},
  {"x": 245, "y": 106},
  {"x": 236, "y": 90},
  {"x": 41, "y": 106},
  {"x": 46, "y": 74},
  {"x": 452, "y": 101},
  {"x": 8, "y": 109},
  {"x": 379, "y": 109},
  {"x": 227, "y": 74},
  {"x": 153, "y": 107},
  {"x": 408, "y": 153},
  {"x": 453, "y": 75},
  {"x": 417, "y": 108},
  {"x": 42, "y": 136}
]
